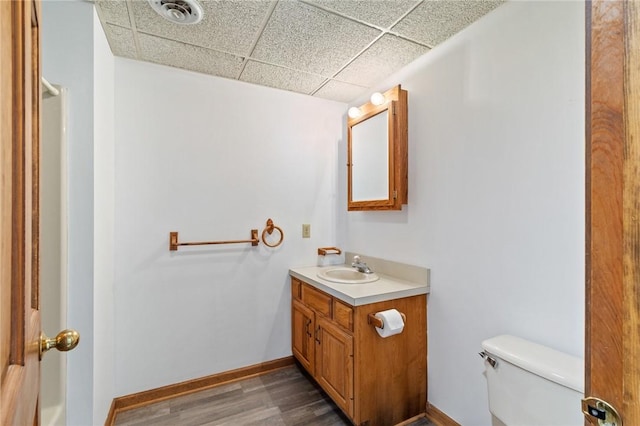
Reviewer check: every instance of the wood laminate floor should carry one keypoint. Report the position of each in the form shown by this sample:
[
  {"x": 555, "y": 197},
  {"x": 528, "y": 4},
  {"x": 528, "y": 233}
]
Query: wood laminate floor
[{"x": 285, "y": 397}]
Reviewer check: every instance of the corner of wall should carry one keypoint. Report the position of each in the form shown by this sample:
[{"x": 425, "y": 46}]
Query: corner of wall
[{"x": 103, "y": 161}]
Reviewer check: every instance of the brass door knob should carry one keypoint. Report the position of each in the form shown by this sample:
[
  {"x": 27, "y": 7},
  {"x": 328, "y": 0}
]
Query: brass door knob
[{"x": 64, "y": 341}]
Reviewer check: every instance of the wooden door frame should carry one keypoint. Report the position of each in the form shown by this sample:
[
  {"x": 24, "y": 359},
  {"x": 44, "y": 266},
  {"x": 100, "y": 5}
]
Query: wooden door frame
[
  {"x": 612, "y": 320},
  {"x": 612, "y": 311},
  {"x": 19, "y": 217}
]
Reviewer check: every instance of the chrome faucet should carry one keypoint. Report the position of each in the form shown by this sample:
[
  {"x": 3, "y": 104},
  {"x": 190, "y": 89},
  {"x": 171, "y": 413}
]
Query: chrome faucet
[{"x": 361, "y": 266}]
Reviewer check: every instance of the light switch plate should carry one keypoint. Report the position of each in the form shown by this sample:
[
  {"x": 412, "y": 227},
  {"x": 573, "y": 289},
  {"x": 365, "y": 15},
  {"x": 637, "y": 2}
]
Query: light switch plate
[{"x": 306, "y": 230}]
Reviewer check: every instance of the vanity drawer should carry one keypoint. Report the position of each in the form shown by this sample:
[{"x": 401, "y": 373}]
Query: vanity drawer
[
  {"x": 296, "y": 288},
  {"x": 343, "y": 314},
  {"x": 316, "y": 300}
]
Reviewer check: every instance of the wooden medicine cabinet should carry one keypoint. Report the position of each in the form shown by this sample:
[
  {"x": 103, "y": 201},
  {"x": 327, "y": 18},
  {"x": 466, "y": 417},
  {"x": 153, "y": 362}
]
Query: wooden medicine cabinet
[{"x": 377, "y": 154}]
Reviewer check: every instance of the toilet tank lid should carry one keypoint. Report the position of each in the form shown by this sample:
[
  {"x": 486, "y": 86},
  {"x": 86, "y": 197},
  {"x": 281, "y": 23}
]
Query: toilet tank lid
[{"x": 551, "y": 364}]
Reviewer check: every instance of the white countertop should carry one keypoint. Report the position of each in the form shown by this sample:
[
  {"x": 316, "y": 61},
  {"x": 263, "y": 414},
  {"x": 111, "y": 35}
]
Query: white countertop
[{"x": 386, "y": 288}]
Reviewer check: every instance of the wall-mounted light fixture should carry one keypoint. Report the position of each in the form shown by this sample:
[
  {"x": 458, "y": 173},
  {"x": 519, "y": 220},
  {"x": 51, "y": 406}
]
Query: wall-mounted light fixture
[
  {"x": 354, "y": 112},
  {"x": 376, "y": 99}
]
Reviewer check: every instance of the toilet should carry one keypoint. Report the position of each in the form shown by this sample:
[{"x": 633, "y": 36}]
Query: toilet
[{"x": 532, "y": 385}]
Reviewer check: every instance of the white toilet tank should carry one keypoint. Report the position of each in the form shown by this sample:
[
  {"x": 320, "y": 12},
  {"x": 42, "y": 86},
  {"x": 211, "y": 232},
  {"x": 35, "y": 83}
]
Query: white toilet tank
[{"x": 533, "y": 385}]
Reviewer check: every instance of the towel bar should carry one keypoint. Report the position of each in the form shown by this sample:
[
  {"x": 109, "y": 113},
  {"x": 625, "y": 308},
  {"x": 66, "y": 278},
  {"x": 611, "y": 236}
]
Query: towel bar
[
  {"x": 174, "y": 244},
  {"x": 255, "y": 240}
]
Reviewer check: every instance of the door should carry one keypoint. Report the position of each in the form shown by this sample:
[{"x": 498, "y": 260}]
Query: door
[
  {"x": 334, "y": 363},
  {"x": 19, "y": 148},
  {"x": 612, "y": 352},
  {"x": 302, "y": 327}
]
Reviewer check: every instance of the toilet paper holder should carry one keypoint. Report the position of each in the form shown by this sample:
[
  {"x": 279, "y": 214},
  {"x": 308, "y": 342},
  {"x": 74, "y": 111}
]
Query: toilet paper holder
[{"x": 373, "y": 320}]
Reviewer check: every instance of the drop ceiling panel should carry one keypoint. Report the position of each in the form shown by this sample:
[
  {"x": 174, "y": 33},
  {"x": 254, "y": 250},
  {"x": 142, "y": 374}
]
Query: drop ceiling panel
[
  {"x": 187, "y": 56},
  {"x": 114, "y": 11},
  {"x": 380, "y": 60},
  {"x": 280, "y": 78},
  {"x": 228, "y": 26},
  {"x": 382, "y": 13},
  {"x": 432, "y": 22},
  {"x": 339, "y": 91},
  {"x": 121, "y": 41},
  {"x": 302, "y": 37},
  {"x": 295, "y": 45}
]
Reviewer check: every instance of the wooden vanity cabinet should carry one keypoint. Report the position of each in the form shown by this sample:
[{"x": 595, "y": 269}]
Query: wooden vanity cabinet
[
  {"x": 375, "y": 381},
  {"x": 322, "y": 347}
]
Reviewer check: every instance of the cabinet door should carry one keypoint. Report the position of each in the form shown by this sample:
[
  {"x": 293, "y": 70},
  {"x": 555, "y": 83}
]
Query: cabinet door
[
  {"x": 302, "y": 339},
  {"x": 334, "y": 363}
]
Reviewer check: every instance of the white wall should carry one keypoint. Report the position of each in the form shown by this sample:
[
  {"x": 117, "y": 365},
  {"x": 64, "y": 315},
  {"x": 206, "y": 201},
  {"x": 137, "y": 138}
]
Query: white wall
[
  {"x": 496, "y": 193},
  {"x": 212, "y": 158},
  {"x": 104, "y": 181},
  {"x": 496, "y": 205},
  {"x": 67, "y": 59}
]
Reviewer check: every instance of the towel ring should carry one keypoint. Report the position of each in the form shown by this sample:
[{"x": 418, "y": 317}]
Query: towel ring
[{"x": 269, "y": 230}]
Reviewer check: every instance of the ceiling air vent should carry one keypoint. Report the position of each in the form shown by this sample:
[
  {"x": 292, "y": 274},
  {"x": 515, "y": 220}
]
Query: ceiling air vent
[{"x": 178, "y": 11}]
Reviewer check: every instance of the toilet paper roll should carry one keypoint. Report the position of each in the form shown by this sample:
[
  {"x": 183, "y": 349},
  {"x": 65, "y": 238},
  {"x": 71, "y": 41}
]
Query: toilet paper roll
[{"x": 391, "y": 321}]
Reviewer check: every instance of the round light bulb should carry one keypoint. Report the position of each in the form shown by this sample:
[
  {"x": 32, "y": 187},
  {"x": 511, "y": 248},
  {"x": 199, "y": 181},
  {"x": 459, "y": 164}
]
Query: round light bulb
[
  {"x": 377, "y": 98},
  {"x": 354, "y": 112}
]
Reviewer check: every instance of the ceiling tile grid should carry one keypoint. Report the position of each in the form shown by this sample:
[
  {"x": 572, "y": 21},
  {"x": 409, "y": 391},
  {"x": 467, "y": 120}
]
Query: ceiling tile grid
[
  {"x": 305, "y": 38},
  {"x": 121, "y": 41},
  {"x": 187, "y": 56},
  {"x": 280, "y": 77},
  {"x": 340, "y": 91},
  {"x": 114, "y": 12},
  {"x": 381, "y": 13},
  {"x": 334, "y": 49},
  {"x": 385, "y": 56},
  {"x": 432, "y": 22},
  {"x": 228, "y": 26}
]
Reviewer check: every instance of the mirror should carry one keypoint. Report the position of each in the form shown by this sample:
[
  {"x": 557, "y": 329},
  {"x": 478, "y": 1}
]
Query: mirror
[
  {"x": 377, "y": 154},
  {"x": 370, "y": 150}
]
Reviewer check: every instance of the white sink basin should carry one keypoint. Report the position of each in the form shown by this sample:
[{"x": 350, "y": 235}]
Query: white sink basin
[{"x": 347, "y": 276}]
